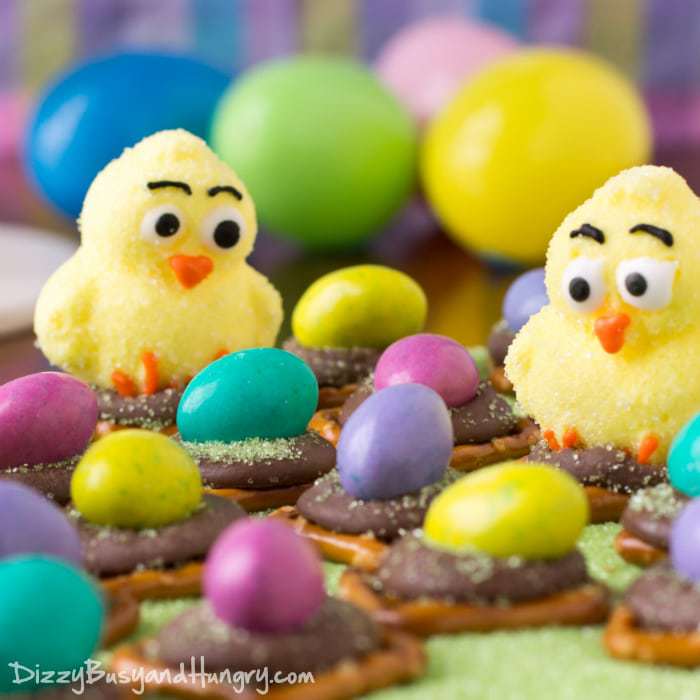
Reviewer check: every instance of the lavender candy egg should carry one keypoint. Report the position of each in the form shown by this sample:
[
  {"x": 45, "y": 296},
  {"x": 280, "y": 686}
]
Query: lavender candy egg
[
  {"x": 398, "y": 441},
  {"x": 31, "y": 524},
  {"x": 685, "y": 541},
  {"x": 524, "y": 298},
  {"x": 435, "y": 361},
  {"x": 263, "y": 577},
  {"x": 45, "y": 418}
]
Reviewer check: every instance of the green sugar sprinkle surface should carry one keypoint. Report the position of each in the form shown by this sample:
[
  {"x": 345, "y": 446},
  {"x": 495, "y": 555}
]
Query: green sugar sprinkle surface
[{"x": 250, "y": 451}]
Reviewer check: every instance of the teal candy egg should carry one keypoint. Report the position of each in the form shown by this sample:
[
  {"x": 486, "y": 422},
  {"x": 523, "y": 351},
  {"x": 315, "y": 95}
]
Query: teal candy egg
[
  {"x": 51, "y": 616},
  {"x": 684, "y": 459},
  {"x": 259, "y": 393}
]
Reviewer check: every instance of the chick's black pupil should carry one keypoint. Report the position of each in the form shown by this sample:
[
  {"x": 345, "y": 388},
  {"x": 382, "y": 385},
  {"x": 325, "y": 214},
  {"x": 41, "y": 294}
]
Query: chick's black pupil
[
  {"x": 227, "y": 233},
  {"x": 579, "y": 289},
  {"x": 636, "y": 284},
  {"x": 167, "y": 225}
]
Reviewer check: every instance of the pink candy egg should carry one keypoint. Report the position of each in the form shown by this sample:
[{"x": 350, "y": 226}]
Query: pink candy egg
[
  {"x": 45, "y": 418},
  {"x": 433, "y": 360},
  {"x": 426, "y": 63},
  {"x": 263, "y": 577}
]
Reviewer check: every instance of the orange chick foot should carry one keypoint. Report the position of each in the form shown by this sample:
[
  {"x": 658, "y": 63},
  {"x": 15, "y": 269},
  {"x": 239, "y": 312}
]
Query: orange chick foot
[
  {"x": 123, "y": 383},
  {"x": 571, "y": 438},
  {"x": 551, "y": 439},
  {"x": 150, "y": 366},
  {"x": 647, "y": 447}
]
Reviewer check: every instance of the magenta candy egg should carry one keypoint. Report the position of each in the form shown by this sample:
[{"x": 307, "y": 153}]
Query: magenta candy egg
[
  {"x": 44, "y": 418},
  {"x": 684, "y": 543},
  {"x": 31, "y": 524},
  {"x": 435, "y": 361},
  {"x": 263, "y": 577}
]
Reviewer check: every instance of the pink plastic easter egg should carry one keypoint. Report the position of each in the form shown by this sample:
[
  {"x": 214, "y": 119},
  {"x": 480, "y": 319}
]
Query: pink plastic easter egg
[
  {"x": 45, "y": 418},
  {"x": 433, "y": 360},
  {"x": 426, "y": 63},
  {"x": 263, "y": 577}
]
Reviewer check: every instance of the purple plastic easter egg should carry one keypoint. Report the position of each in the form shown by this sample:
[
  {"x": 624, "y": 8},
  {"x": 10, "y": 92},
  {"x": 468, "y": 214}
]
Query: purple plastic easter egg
[
  {"x": 524, "y": 298},
  {"x": 426, "y": 63},
  {"x": 398, "y": 441},
  {"x": 263, "y": 577},
  {"x": 31, "y": 524},
  {"x": 685, "y": 541},
  {"x": 45, "y": 418},
  {"x": 433, "y": 360}
]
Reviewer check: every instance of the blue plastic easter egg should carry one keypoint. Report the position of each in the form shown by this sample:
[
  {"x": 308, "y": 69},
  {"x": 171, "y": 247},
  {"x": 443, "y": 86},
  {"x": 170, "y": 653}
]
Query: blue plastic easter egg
[
  {"x": 524, "y": 298},
  {"x": 95, "y": 110},
  {"x": 684, "y": 459},
  {"x": 51, "y": 615},
  {"x": 259, "y": 393},
  {"x": 399, "y": 440}
]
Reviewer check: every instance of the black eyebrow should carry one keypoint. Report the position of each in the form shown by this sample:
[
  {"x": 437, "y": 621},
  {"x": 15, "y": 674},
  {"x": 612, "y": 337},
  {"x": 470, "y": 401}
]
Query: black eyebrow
[
  {"x": 589, "y": 231},
  {"x": 666, "y": 237},
  {"x": 170, "y": 183},
  {"x": 213, "y": 191}
]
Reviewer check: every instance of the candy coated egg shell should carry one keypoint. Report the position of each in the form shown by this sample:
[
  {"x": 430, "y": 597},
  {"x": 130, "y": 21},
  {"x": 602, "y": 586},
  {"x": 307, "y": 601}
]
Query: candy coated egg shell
[
  {"x": 136, "y": 479},
  {"x": 525, "y": 297},
  {"x": 398, "y": 441},
  {"x": 360, "y": 306},
  {"x": 511, "y": 509},
  {"x": 44, "y": 418},
  {"x": 435, "y": 361},
  {"x": 263, "y": 577},
  {"x": 684, "y": 459},
  {"x": 685, "y": 541},
  {"x": 51, "y": 615}
]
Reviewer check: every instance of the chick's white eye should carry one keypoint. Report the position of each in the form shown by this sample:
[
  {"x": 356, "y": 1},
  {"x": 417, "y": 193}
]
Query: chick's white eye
[
  {"x": 223, "y": 228},
  {"x": 161, "y": 223},
  {"x": 645, "y": 282},
  {"x": 583, "y": 286}
]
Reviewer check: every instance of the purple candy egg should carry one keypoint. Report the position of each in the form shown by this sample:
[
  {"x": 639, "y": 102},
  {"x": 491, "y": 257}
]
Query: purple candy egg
[
  {"x": 44, "y": 418},
  {"x": 31, "y": 524},
  {"x": 396, "y": 442},
  {"x": 435, "y": 361},
  {"x": 685, "y": 541},
  {"x": 263, "y": 577},
  {"x": 524, "y": 298}
]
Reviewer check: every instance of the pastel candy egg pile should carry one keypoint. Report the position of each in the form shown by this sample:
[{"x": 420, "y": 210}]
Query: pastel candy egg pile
[
  {"x": 259, "y": 393},
  {"x": 361, "y": 306},
  {"x": 684, "y": 459},
  {"x": 51, "y": 615},
  {"x": 45, "y": 418},
  {"x": 261, "y": 576},
  {"x": 31, "y": 524},
  {"x": 398, "y": 441},
  {"x": 435, "y": 361},
  {"x": 524, "y": 298},
  {"x": 136, "y": 479},
  {"x": 512, "y": 509},
  {"x": 684, "y": 543}
]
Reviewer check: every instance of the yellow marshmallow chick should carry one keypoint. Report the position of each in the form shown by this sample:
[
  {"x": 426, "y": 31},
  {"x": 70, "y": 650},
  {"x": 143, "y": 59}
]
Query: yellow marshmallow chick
[
  {"x": 614, "y": 358},
  {"x": 160, "y": 285}
]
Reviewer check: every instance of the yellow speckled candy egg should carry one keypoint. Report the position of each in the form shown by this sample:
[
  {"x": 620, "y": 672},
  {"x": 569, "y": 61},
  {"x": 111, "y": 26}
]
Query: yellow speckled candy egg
[
  {"x": 512, "y": 509},
  {"x": 361, "y": 306},
  {"x": 136, "y": 479}
]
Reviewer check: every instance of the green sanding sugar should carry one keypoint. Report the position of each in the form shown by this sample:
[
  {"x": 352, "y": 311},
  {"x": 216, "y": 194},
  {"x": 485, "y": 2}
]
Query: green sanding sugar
[
  {"x": 661, "y": 500},
  {"x": 249, "y": 451},
  {"x": 480, "y": 355},
  {"x": 551, "y": 663}
]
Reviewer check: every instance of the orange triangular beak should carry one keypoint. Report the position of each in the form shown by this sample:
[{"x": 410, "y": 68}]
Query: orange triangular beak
[
  {"x": 190, "y": 270},
  {"x": 611, "y": 331}
]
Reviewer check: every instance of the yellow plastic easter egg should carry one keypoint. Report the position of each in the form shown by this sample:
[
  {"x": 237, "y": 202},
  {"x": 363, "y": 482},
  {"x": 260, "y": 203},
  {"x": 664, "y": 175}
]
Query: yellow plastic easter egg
[
  {"x": 512, "y": 509},
  {"x": 136, "y": 479},
  {"x": 524, "y": 143},
  {"x": 361, "y": 306}
]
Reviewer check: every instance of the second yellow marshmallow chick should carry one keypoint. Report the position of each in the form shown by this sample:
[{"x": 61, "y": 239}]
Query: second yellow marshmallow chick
[
  {"x": 160, "y": 285},
  {"x": 614, "y": 358}
]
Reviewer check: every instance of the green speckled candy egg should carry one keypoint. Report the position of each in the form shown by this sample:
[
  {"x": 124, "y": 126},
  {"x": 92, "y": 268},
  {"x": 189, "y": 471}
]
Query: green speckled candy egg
[
  {"x": 529, "y": 510},
  {"x": 259, "y": 393},
  {"x": 362, "y": 306}
]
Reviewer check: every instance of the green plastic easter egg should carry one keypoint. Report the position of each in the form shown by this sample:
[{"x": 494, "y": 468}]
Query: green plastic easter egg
[
  {"x": 360, "y": 306},
  {"x": 529, "y": 510},
  {"x": 259, "y": 393},
  {"x": 136, "y": 479},
  {"x": 51, "y": 615},
  {"x": 327, "y": 152}
]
